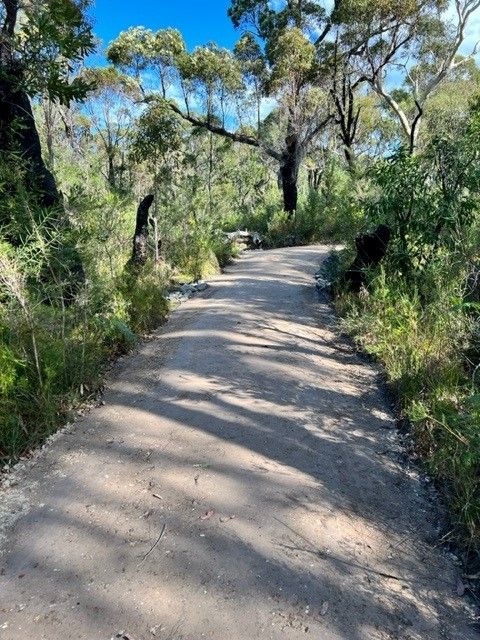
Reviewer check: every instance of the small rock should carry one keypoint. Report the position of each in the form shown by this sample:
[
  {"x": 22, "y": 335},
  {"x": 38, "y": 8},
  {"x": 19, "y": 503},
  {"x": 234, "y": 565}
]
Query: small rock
[
  {"x": 322, "y": 284},
  {"x": 460, "y": 588},
  {"x": 187, "y": 289},
  {"x": 226, "y": 518}
]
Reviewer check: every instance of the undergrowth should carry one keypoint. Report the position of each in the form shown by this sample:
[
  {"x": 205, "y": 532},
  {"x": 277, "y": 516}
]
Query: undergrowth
[
  {"x": 419, "y": 314},
  {"x": 423, "y": 348},
  {"x": 55, "y": 340}
]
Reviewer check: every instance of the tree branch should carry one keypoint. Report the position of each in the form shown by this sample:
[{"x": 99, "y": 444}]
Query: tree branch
[
  {"x": 464, "y": 11},
  {"x": 221, "y": 131},
  {"x": 377, "y": 85},
  {"x": 317, "y": 129},
  {"x": 329, "y": 25}
]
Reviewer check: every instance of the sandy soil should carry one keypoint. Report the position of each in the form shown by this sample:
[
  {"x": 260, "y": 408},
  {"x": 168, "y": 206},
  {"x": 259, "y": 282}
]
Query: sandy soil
[{"x": 242, "y": 481}]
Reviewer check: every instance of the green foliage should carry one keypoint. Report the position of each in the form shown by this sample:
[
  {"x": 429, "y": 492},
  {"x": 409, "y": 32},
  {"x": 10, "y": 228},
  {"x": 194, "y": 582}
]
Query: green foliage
[
  {"x": 251, "y": 58},
  {"x": 52, "y": 355},
  {"x": 422, "y": 346},
  {"x": 159, "y": 132},
  {"x": 429, "y": 200},
  {"x": 418, "y": 317},
  {"x": 337, "y": 210},
  {"x": 144, "y": 294},
  {"x": 132, "y": 50},
  {"x": 51, "y": 37},
  {"x": 269, "y": 19},
  {"x": 213, "y": 67},
  {"x": 293, "y": 56},
  {"x": 108, "y": 80},
  {"x": 138, "y": 49},
  {"x": 224, "y": 251}
]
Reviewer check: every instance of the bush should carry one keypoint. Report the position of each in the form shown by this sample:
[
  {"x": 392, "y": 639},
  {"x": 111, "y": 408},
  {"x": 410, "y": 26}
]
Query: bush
[
  {"x": 144, "y": 295},
  {"x": 53, "y": 348},
  {"x": 337, "y": 211},
  {"x": 415, "y": 315},
  {"x": 224, "y": 250},
  {"x": 422, "y": 347}
]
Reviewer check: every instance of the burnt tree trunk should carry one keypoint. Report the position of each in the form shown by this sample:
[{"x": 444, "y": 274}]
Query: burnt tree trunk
[
  {"x": 344, "y": 98},
  {"x": 140, "y": 238},
  {"x": 19, "y": 139},
  {"x": 112, "y": 173},
  {"x": 315, "y": 178},
  {"x": 371, "y": 249},
  {"x": 19, "y": 135},
  {"x": 289, "y": 169}
]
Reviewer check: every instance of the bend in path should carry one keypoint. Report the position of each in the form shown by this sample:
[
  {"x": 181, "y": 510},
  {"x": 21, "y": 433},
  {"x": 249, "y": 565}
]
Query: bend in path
[{"x": 242, "y": 481}]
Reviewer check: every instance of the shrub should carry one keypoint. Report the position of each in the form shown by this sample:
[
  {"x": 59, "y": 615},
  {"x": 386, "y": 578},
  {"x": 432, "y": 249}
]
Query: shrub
[
  {"x": 422, "y": 346},
  {"x": 144, "y": 294}
]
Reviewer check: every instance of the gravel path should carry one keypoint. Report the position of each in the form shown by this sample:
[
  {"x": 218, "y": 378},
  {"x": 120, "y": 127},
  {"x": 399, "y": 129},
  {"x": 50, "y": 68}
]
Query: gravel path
[{"x": 242, "y": 481}]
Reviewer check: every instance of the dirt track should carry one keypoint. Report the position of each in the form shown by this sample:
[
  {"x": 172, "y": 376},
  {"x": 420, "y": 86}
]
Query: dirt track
[{"x": 241, "y": 482}]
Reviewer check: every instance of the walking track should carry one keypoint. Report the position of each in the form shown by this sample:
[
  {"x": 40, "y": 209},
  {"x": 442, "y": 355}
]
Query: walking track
[{"x": 242, "y": 481}]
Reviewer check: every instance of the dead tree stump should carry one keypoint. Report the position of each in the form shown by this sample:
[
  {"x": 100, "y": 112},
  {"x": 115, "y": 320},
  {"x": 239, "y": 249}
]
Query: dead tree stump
[
  {"x": 140, "y": 238},
  {"x": 371, "y": 249}
]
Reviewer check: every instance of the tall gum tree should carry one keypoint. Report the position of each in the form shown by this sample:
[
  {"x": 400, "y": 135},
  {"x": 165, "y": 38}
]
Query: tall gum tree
[
  {"x": 275, "y": 58},
  {"x": 382, "y": 36},
  {"x": 40, "y": 42}
]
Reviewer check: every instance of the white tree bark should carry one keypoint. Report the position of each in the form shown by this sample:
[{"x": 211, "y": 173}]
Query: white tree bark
[{"x": 464, "y": 10}]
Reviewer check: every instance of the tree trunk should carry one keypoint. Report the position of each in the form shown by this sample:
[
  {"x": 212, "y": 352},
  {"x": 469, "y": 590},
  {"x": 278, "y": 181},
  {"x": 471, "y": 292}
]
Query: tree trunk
[
  {"x": 315, "y": 178},
  {"x": 289, "y": 169},
  {"x": 415, "y": 130},
  {"x": 49, "y": 119},
  {"x": 140, "y": 238},
  {"x": 18, "y": 133},
  {"x": 112, "y": 173},
  {"x": 350, "y": 158},
  {"x": 371, "y": 249},
  {"x": 19, "y": 137}
]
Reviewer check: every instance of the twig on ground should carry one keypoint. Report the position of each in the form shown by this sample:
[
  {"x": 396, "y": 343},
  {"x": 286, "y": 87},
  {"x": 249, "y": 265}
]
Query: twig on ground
[{"x": 155, "y": 544}]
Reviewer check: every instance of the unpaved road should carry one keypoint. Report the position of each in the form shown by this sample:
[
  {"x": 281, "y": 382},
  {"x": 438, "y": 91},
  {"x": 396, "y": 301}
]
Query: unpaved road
[{"x": 261, "y": 446}]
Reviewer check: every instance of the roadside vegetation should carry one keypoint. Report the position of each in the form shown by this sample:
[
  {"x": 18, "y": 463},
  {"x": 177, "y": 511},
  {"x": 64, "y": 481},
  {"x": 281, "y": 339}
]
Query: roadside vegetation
[{"x": 119, "y": 181}]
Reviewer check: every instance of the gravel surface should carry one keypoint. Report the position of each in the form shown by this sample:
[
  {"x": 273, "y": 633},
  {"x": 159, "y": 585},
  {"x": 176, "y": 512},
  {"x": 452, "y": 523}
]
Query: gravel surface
[{"x": 243, "y": 480}]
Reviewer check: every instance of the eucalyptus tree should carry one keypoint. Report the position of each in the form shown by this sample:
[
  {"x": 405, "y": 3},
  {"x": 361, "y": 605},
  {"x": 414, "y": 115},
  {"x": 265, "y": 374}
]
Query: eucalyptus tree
[
  {"x": 158, "y": 139},
  {"x": 138, "y": 49},
  {"x": 39, "y": 44},
  {"x": 212, "y": 86},
  {"x": 111, "y": 107},
  {"x": 419, "y": 39},
  {"x": 254, "y": 69}
]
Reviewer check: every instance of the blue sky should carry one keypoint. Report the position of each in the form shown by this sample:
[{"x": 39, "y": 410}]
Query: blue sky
[{"x": 200, "y": 21}]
